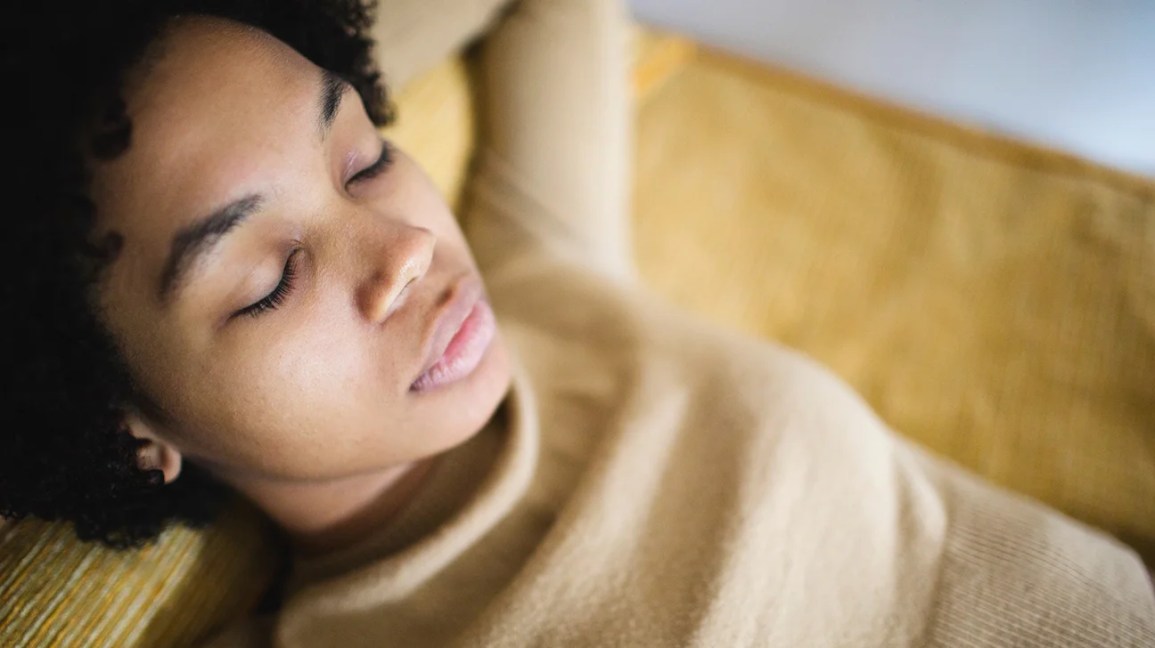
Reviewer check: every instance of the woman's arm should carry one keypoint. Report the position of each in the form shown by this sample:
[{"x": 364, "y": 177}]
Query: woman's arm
[
  {"x": 412, "y": 36},
  {"x": 554, "y": 154}
]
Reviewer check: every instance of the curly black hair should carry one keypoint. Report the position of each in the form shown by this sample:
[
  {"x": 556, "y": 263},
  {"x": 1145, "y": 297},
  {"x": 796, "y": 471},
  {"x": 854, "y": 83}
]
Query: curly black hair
[{"x": 66, "y": 453}]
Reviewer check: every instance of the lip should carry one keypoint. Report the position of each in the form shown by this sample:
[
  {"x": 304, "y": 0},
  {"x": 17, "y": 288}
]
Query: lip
[{"x": 466, "y": 308}]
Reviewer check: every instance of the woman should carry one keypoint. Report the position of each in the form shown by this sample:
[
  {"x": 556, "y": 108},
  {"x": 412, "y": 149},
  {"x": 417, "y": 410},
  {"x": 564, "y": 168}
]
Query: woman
[{"x": 236, "y": 282}]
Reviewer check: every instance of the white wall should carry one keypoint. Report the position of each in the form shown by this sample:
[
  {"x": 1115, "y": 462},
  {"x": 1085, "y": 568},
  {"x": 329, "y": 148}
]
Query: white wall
[{"x": 1074, "y": 74}]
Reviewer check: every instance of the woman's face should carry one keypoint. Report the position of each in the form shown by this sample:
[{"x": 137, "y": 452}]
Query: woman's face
[{"x": 282, "y": 285}]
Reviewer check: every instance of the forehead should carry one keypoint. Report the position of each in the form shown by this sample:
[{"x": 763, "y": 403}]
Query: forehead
[
  {"x": 216, "y": 105},
  {"x": 203, "y": 71},
  {"x": 211, "y": 58},
  {"x": 215, "y": 82}
]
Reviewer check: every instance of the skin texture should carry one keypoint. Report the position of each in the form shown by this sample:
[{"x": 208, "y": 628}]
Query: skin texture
[{"x": 305, "y": 408}]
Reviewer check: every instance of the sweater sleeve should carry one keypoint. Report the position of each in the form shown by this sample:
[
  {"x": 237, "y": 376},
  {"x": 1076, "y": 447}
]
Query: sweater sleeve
[
  {"x": 553, "y": 164},
  {"x": 1011, "y": 562},
  {"x": 411, "y": 36}
]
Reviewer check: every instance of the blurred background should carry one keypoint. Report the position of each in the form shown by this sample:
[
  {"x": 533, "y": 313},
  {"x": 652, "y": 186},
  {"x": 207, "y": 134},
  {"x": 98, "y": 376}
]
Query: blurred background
[{"x": 1076, "y": 75}]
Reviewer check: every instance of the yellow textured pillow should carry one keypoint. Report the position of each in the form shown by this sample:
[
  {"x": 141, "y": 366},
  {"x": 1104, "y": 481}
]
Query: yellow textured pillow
[
  {"x": 994, "y": 301},
  {"x": 58, "y": 591}
]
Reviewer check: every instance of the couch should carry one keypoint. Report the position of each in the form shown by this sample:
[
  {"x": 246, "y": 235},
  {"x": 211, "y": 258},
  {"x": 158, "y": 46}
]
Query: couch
[{"x": 992, "y": 300}]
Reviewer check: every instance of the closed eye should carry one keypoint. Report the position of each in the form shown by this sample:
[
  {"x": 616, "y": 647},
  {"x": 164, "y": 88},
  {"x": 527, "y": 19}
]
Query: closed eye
[
  {"x": 277, "y": 296},
  {"x": 383, "y": 161}
]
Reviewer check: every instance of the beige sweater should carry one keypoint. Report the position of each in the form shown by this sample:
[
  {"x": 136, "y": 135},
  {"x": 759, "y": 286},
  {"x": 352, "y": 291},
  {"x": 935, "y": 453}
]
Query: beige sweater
[{"x": 653, "y": 481}]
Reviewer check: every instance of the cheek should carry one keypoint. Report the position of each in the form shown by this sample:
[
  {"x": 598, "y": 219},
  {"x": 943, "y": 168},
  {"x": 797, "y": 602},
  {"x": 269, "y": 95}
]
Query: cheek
[
  {"x": 451, "y": 240},
  {"x": 332, "y": 363},
  {"x": 319, "y": 363},
  {"x": 426, "y": 207},
  {"x": 294, "y": 401}
]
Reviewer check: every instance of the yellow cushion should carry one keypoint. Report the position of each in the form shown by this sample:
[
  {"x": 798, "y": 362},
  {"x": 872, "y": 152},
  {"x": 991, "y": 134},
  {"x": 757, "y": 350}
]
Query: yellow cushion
[
  {"x": 57, "y": 591},
  {"x": 992, "y": 300}
]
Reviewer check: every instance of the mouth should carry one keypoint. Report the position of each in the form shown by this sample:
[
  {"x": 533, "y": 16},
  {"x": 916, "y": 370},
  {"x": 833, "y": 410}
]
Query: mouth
[{"x": 458, "y": 337}]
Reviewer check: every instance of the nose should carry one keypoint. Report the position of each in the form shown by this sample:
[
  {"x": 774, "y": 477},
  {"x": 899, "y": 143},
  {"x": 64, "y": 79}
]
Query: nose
[{"x": 399, "y": 254}]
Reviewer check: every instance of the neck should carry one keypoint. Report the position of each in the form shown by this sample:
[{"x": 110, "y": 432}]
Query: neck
[{"x": 323, "y": 517}]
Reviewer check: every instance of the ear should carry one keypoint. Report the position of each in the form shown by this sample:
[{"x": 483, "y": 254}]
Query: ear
[{"x": 154, "y": 453}]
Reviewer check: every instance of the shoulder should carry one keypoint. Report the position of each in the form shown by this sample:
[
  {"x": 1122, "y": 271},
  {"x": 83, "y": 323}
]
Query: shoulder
[{"x": 1011, "y": 565}]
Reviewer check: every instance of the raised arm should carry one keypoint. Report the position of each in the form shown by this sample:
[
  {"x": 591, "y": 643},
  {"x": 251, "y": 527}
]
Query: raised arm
[
  {"x": 412, "y": 36},
  {"x": 554, "y": 150}
]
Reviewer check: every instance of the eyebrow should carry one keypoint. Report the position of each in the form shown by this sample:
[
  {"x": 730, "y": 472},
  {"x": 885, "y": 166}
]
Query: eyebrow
[
  {"x": 193, "y": 242},
  {"x": 332, "y": 91}
]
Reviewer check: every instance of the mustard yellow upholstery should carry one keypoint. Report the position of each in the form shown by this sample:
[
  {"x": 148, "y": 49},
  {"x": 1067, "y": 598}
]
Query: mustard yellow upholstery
[
  {"x": 57, "y": 591},
  {"x": 993, "y": 300}
]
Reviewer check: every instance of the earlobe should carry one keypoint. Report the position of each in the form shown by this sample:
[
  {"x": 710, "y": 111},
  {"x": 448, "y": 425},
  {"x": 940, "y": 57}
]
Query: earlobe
[{"x": 153, "y": 453}]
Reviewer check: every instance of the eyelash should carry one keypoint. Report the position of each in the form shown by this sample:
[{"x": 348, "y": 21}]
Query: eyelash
[
  {"x": 274, "y": 299},
  {"x": 382, "y": 163}
]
